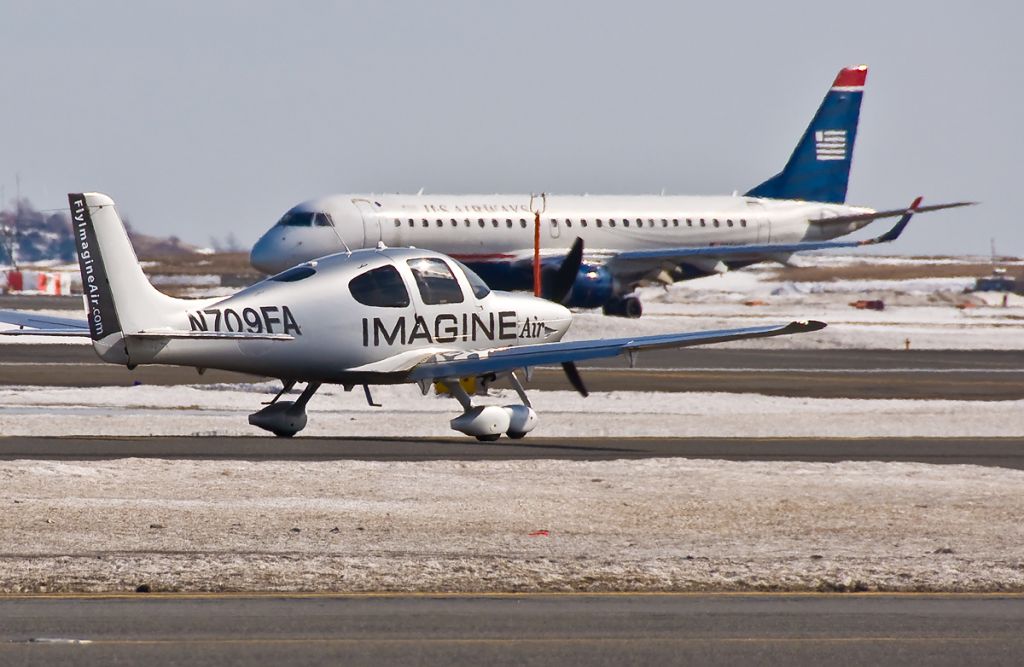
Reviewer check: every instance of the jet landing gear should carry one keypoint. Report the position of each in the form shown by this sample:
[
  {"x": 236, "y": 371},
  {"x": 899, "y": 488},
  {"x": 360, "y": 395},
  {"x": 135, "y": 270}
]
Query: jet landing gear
[
  {"x": 487, "y": 422},
  {"x": 285, "y": 418},
  {"x": 628, "y": 306}
]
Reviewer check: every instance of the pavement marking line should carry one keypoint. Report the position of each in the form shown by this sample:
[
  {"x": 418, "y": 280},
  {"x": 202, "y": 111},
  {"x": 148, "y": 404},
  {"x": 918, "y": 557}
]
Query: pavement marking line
[
  {"x": 775, "y": 369},
  {"x": 226, "y": 641},
  {"x": 278, "y": 595},
  {"x": 607, "y": 369}
]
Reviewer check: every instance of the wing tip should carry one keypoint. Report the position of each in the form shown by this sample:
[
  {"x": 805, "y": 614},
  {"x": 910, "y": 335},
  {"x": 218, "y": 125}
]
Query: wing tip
[{"x": 806, "y": 326}]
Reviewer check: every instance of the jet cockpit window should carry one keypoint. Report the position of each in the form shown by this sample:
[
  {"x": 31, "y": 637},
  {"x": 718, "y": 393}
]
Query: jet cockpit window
[
  {"x": 297, "y": 219},
  {"x": 305, "y": 219},
  {"x": 381, "y": 287},
  {"x": 476, "y": 283},
  {"x": 435, "y": 280}
]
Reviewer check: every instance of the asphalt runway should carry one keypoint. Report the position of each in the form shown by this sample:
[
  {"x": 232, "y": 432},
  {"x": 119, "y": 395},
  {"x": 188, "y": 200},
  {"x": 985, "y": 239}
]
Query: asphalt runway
[
  {"x": 1000, "y": 452},
  {"x": 914, "y": 374},
  {"x": 514, "y": 629}
]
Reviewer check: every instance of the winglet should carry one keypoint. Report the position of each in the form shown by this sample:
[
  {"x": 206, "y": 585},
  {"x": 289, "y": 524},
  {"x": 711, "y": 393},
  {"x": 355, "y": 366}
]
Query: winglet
[{"x": 900, "y": 225}]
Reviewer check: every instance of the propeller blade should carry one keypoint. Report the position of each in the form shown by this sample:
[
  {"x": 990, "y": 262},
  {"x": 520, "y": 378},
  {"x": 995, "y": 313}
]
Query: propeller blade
[
  {"x": 558, "y": 288},
  {"x": 575, "y": 379}
]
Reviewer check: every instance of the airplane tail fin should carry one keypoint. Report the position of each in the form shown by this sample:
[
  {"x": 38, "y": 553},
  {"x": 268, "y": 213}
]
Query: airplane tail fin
[
  {"x": 819, "y": 168},
  {"x": 119, "y": 298}
]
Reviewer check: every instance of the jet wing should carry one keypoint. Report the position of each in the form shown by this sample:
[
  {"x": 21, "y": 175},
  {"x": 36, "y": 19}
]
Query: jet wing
[
  {"x": 31, "y": 324},
  {"x": 726, "y": 252},
  {"x": 466, "y": 364}
]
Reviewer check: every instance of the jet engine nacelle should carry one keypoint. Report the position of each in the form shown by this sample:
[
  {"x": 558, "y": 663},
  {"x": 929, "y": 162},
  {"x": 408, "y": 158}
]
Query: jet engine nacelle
[{"x": 594, "y": 287}]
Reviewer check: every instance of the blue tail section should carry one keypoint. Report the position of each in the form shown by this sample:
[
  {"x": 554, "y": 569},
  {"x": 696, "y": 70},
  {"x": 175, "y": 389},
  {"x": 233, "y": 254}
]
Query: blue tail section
[{"x": 819, "y": 168}]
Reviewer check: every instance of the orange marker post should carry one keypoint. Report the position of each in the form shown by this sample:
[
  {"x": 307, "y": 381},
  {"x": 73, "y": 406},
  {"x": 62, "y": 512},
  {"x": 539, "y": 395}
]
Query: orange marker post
[{"x": 536, "y": 253}]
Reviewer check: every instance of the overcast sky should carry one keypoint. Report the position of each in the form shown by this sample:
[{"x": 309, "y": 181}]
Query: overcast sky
[{"x": 204, "y": 118}]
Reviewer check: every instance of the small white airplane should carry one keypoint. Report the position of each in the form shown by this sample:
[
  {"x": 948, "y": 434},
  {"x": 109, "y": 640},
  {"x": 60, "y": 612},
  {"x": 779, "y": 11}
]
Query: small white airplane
[
  {"x": 373, "y": 316},
  {"x": 631, "y": 240}
]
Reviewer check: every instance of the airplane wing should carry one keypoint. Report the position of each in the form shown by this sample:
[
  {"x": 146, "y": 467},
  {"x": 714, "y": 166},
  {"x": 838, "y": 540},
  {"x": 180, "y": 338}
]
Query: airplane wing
[
  {"x": 31, "y": 324},
  {"x": 466, "y": 364},
  {"x": 726, "y": 252}
]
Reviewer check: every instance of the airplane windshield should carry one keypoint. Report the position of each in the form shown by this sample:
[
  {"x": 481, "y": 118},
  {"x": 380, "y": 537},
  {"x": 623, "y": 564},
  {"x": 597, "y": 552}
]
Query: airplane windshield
[
  {"x": 435, "y": 280},
  {"x": 306, "y": 219},
  {"x": 297, "y": 219},
  {"x": 480, "y": 288}
]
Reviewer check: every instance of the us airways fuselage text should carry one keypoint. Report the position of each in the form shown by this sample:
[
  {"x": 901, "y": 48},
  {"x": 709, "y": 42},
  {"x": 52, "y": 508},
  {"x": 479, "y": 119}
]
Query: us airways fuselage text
[
  {"x": 261, "y": 319},
  {"x": 444, "y": 328}
]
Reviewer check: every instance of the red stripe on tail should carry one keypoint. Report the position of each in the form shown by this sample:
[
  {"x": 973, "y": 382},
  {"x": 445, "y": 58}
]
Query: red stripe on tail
[{"x": 851, "y": 76}]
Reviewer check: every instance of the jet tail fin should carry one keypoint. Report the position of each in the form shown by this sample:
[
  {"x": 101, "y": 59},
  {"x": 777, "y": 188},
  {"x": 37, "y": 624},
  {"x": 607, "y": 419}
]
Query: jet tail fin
[
  {"x": 119, "y": 298},
  {"x": 819, "y": 168}
]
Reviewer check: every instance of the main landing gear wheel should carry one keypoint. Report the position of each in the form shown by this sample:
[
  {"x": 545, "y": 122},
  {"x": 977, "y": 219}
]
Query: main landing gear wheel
[
  {"x": 516, "y": 435},
  {"x": 285, "y": 418},
  {"x": 491, "y": 437},
  {"x": 629, "y": 306}
]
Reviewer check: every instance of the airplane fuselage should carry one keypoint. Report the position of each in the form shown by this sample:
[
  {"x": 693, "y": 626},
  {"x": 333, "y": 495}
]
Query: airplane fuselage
[
  {"x": 482, "y": 230},
  {"x": 346, "y": 341}
]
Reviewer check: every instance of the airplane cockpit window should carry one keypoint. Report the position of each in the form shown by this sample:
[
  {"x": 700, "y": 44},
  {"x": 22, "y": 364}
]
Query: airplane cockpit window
[
  {"x": 305, "y": 219},
  {"x": 435, "y": 280},
  {"x": 297, "y": 219},
  {"x": 476, "y": 283},
  {"x": 381, "y": 287}
]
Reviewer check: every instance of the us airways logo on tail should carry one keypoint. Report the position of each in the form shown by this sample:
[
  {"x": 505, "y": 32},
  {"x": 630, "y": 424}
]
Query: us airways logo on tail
[{"x": 830, "y": 144}]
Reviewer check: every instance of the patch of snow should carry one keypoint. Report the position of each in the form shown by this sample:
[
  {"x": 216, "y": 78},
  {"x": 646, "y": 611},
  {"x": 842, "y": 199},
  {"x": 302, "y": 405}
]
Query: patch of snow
[
  {"x": 223, "y": 409},
  {"x": 645, "y": 525}
]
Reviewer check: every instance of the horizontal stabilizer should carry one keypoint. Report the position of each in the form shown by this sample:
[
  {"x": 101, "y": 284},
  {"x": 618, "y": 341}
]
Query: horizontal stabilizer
[
  {"x": 680, "y": 255},
  {"x": 878, "y": 215},
  {"x": 41, "y": 325},
  {"x": 209, "y": 335},
  {"x": 32, "y": 324}
]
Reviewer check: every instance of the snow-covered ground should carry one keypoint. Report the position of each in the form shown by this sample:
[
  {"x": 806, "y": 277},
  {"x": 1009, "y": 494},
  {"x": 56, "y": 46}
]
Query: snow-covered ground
[
  {"x": 662, "y": 524},
  {"x": 932, "y": 313},
  {"x": 222, "y": 409},
  {"x": 669, "y": 524}
]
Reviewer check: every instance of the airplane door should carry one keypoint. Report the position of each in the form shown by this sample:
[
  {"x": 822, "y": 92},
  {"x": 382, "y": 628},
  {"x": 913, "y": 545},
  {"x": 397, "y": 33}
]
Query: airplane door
[
  {"x": 758, "y": 216},
  {"x": 373, "y": 233}
]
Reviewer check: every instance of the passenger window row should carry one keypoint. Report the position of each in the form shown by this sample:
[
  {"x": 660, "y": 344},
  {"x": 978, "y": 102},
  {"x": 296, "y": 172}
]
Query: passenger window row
[{"x": 638, "y": 223}]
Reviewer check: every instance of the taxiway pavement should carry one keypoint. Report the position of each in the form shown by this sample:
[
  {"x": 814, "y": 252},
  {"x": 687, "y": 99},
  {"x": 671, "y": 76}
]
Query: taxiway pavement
[
  {"x": 1000, "y": 452},
  {"x": 513, "y": 629},
  {"x": 913, "y": 374}
]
